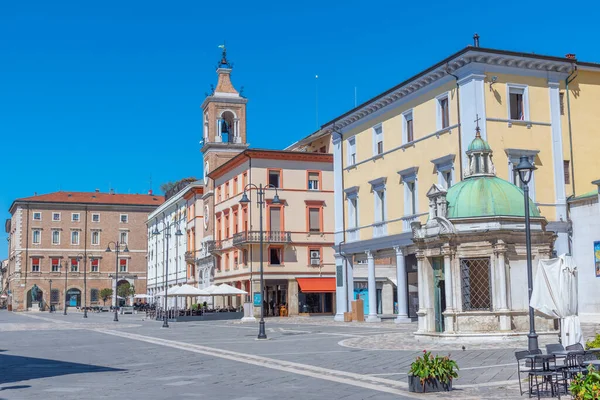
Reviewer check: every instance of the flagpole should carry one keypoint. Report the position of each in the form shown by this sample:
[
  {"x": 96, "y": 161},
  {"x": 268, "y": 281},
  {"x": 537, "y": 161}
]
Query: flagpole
[{"x": 317, "y": 99}]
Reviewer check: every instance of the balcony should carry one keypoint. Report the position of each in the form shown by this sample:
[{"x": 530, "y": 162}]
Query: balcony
[
  {"x": 213, "y": 245},
  {"x": 268, "y": 237},
  {"x": 409, "y": 219},
  {"x": 379, "y": 229},
  {"x": 352, "y": 235}
]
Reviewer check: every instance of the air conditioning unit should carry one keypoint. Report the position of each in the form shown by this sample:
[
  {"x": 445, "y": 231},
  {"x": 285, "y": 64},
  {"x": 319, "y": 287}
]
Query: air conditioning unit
[
  {"x": 315, "y": 261},
  {"x": 315, "y": 254}
]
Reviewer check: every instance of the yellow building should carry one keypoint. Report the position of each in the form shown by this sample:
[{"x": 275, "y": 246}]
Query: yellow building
[{"x": 391, "y": 149}]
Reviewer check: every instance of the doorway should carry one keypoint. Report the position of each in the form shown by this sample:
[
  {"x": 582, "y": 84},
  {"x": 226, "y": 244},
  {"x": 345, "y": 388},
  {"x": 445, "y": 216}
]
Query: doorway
[
  {"x": 439, "y": 292},
  {"x": 73, "y": 297}
]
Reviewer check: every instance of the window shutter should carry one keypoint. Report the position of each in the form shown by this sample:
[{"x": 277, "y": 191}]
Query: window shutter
[
  {"x": 567, "y": 165},
  {"x": 314, "y": 223},
  {"x": 275, "y": 218}
]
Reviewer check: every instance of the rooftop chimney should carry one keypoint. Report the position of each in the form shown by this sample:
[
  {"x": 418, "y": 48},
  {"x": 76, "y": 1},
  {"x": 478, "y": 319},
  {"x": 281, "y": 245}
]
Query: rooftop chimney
[
  {"x": 111, "y": 191},
  {"x": 476, "y": 40},
  {"x": 97, "y": 190},
  {"x": 150, "y": 192},
  {"x": 570, "y": 56}
]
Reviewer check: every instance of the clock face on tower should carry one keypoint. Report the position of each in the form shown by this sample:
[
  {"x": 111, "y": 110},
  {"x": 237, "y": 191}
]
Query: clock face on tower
[{"x": 206, "y": 216}]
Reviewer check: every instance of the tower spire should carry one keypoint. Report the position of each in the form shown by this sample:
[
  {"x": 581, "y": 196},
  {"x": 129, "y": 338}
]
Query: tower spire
[
  {"x": 224, "y": 63},
  {"x": 477, "y": 129}
]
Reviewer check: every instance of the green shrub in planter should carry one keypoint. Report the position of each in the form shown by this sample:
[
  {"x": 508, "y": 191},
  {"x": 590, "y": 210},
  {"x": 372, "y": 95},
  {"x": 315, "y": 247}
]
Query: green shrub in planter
[
  {"x": 429, "y": 373},
  {"x": 194, "y": 307},
  {"x": 586, "y": 387},
  {"x": 594, "y": 344}
]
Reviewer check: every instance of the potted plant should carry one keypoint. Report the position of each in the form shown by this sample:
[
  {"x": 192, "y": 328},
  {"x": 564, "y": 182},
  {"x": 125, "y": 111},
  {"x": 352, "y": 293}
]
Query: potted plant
[{"x": 432, "y": 374}]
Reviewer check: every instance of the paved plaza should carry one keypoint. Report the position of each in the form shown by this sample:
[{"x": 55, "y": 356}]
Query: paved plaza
[{"x": 52, "y": 356}]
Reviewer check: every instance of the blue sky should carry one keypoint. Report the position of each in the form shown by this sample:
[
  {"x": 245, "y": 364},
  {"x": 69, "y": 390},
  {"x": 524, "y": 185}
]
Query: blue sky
[{"x": 107, "y": 94}]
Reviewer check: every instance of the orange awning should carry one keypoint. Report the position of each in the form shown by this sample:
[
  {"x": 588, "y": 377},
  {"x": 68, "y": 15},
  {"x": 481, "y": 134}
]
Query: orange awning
[{"x": 316, "y": 285}]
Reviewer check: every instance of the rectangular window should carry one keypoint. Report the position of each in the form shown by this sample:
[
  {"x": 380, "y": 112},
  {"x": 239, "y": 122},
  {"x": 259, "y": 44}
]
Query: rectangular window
[
  {"x": 219, "y": 194},
  {"x": 275, "y": 178},
  {"x": 244, "y": 180},
  {"x": 412, "y": 198},
  {"x": 561, "y": 99},
  {"x": 447, "y": 178},
  {"x": 37, "y": 236},
  {"x": 245, "y": 257},
  {"x": 124, "y": 237},
  {"x": 444, "y": 113},
  {"x": 227, "y": 226},
  {"x": 226, "y": 190},
  {"x": 226, "y": 261},
  {"x": 74, "y": 237},
  {"x": 313, "y": 181},
  {"x": 352, "y": 151},
  {"x": 55, "y": 265},
  {"x": 235, "y": 260},
  {"x": 235, "y": 222},
  {"x": 516, "y": 104},
  {"x": 55, "y": 237},
  {"x": 245, "y": 218},
  {"x": 95, "y": 238},
  {"x": 219, "y": 227},
  {"x": 275, "y": 256},
  {"x": 235, "y": 186},
  {"x": 75, "y": 217},
  {"x": 378, "y": 140},
  {"x": 409, "y": 135},
  {"x": 275, "y": 219},
  {"x": 315, "y": 257},
  {"x": 94, "y": 295},
  {"x": 35, "y": 265},
  {"x": 475, "y": 283},
  {"x": 567, "y": 168},
  {"x": 95, "y": 217},
  {"x": 95, "y": 265},
  {"x": 353, "y": 212},
  {"x": 55, "y": 216},
  {"x": 314, "y": 220},
  {"x": 74, "y": 265},
  {"x": 124, "y": 218},
  {"x": 379, "y": 205},
  {"x": 37, "y": 216},
  {"x": 123, "y": 265}
]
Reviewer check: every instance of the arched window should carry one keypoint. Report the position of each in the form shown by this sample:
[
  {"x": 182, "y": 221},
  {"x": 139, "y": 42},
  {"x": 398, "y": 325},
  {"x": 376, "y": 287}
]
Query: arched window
[
  {"x": 228, "y": 128},
  {"x": 205, "y": 172}
]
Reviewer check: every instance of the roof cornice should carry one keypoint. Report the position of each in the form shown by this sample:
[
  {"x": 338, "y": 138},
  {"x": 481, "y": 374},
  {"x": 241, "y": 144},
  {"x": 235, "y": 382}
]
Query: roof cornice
[{"x": 452, "y": 64}]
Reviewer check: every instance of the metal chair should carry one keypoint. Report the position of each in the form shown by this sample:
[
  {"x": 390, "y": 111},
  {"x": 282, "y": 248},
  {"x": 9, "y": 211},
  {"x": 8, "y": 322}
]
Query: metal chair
[
  {"x": 549, "y": 373},
  {"x": 525, "y": 367},
  {"x": 552, "y": 348}
]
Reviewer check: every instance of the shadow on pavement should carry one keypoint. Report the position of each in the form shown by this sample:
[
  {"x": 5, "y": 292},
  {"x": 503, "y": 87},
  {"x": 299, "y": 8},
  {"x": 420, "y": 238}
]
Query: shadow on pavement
[{"x": 18, "y": 368}]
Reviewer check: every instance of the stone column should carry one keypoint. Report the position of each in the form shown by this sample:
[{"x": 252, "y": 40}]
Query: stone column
[
  {"x": 340, "y": 288},
  {"x": 448, "y": 288},
  {"x": 401, "y": 287},
  {"x": 422, "y": 288},
  {"x": 501, "y": 286},
  {"x": 372, "y": 317},
  {"x": 292, "y": 305},
  {"x": 350, "y": 280}
]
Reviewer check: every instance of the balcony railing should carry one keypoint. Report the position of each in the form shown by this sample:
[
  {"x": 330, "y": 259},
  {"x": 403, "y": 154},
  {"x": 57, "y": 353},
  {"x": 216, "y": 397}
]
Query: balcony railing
[
  {"x": 409, "y": 219},
  {"x": 268, "y": 237},
  {"x": 379, "y": 229},
  {"x": 352, "y": 235},
  {"x": 213, "y": 245},
  {"x": 189, "y": 257}
]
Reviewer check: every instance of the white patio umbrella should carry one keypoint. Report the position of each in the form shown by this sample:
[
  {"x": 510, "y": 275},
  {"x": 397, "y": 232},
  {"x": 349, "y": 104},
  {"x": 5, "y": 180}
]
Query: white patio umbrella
[
  {"x": 188, "y": 290},
  {"x": 210, "y": 289},
  {"x": 226, "y": 290},
  {"x": 555, "y": 294},
  {"x": 142, "y": 296}
]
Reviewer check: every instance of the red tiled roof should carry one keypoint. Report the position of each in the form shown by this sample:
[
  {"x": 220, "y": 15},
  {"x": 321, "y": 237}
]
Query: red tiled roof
[{"x": 96, "y": 198}]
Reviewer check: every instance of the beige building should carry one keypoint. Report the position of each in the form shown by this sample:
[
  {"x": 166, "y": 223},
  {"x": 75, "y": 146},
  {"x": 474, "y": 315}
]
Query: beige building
[
  {"x": 297, "y": 233},
  {"x": 55, "y": 237}
]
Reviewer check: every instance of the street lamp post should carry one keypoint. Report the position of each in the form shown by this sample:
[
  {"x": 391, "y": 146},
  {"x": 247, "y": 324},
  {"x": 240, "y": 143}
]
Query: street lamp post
[
  {"x": 84, "y": 258},
  {"x": 167, "y": 234},
  {"x": 260, "y": 202},
  {"x": 66, "y": 278},
  {"x": 50, "y": 297},
  {"x": 525, "y": 170},
  {"x": 117, "y": 245}
]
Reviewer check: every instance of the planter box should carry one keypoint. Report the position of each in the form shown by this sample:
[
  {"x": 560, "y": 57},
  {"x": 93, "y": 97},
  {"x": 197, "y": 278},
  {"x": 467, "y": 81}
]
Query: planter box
[{"x": 430, "y": 386}]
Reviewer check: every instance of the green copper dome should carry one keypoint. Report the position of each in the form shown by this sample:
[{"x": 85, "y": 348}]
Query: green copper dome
[
  {"x": 478, "y": 144},
  {"x": 487, "y": 196}
]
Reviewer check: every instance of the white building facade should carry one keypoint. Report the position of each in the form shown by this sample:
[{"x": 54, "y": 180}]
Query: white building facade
[{"x": 166, "y": 250}]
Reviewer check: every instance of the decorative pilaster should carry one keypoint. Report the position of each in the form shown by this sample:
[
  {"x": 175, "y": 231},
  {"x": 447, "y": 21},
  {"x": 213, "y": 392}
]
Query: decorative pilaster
[
  {"x": 341, "y": 291},
  {"x": 421, "y": 287},
  {"x": 401, "y": 287},
  {"x": 449, "y": 289},
  {"x": 372, "y": 287},
  {"x": 501, "y": 285}
]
